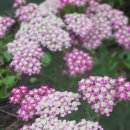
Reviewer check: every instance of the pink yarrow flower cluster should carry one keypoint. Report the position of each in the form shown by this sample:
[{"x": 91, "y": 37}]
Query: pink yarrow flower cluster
[
  {"x": 78, "y": 2},
  {"x": 78, "y": 24},
  {"x": 48, "y": 104},
  {"x": 18, "y": 3},
  {"x": 122, "y": 36},
  {"x": 5, "y": 24},
  {"x": 28, "y": 100},
  {"x": 40, "y": 31},
  {"x": 24, "y": 12},
  {"x": 17, "y": 93},
  {"x": 50, "y": 6},
  {"x": 103, "y": 92},
  {"x": 123, "y": 89},
  {"x": 99, "y": 92},
  {"x": 106, "y": 22},
  {"x": 53, "y": 123},
  {"x": 26, "y": 56},
  {"x": 58, "y": 103},
  {"x": 78, "y": 62}
]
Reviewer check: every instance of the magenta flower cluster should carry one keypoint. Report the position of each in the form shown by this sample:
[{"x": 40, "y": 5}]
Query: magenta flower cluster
[
  {"x": 103, "y": 92},
  {"x": 18, "y": 3},
  {"x": 78, "y": 2},
  {"x": 53, "y": 123},
  {"x": 26, "y": 56},
  {"x": 79, "y": 24},
  {"x": 122, "y": 36},
  {"x": 28, "y": 100},
  {"x": 58, "y": 103},
  {"x": 24, "y": 13},
  {"x": 78, "y": 62},
  {"x": 40, "y": 31},
  {"x": 5, "y": 24},
  {"x": 40, "y": 25},
  {"x": 17, "y": 94},
  {"x": 123, "y": 89},
  {"x": 107, "y": 21},
  {"x": 48, "y": 104}
]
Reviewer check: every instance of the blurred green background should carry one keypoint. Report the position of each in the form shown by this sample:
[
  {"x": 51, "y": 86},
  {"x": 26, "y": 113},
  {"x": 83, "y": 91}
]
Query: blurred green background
[{"x": 110, "y": 59}]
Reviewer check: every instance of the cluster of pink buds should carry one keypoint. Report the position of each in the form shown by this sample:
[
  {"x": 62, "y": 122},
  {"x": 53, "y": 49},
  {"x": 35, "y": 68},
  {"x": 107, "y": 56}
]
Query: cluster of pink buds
[
  {"x": 78, "y": 62},
  {"x": 18, "y": 3},
  {"x": 53, "y": 123},
  {"x": 28, "y": 100},
  {"x": 17, "y": 93},
  {"x": 78, "y": 24},
  {"x": 58, "y": 103},
  {"x": 24, "y": 12},
  {"x": 122, "y": 36},
  {"x": 122, "y": 89},
  {"x": 5, "y": 23},
  {"x": 99, "y": 92}
]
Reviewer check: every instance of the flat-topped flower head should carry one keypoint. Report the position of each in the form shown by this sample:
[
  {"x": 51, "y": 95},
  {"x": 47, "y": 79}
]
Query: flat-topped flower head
[
  {"x": 106, "y": 23},
  {"x": 99, "y": 92},
  {"x": 26, "y": 56},
  {"x": 79, "y": 24},
  {"x": 53, "y": 123},
  {"x": 18, "y": 3},
  {"x": 78, "y": 62},
  {"x": 79, "y": 3},
  {"x": 123, "y": 89},
  {"x": 28, "y": 100},
  {"x": 5, "y": 24},
  {"x": 39, "y": 31},
  {"x": 17, "y": 93},
  {"x": 122, "y": 36},
  {"x": 58, "y": 103},
  {"x": 24, "y": 12}
]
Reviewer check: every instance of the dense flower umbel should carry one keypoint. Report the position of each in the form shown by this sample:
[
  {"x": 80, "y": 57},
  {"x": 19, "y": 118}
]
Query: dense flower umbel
[
  {"x": 78, "y": 2},
  {"x": 79, "y": 24},
  {"x": 58, "y": 103},
  {"x": 123, "y": 89},
  {"x": 24, "y": 12},
  {"x": 99, "y": 92},
  {"x": 18, "y": 3},
  {"x": 5, "y": 23},
  {"x": 17, "y": 93},
  {"x": 50, "y": 6},
  {"x": 26, "y": 56},
  {"x": 78, "y": 62},
  {"x": 106, "y": 20},
  {"x": 122, "y": 36},
  {"x": 28, "y": 100},
  {"x": 53, "y": 123},
  {"x": 46, "y": 31}
]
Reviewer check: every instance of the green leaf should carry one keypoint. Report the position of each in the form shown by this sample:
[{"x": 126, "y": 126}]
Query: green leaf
[
  {"x": 7, "y": 56},
  {"x": 46, "y": 59},
  {"x": 33, "y": 80},
  {"x": 2, "y": 71},
  {"x": 9, "y": 81},
  {"x": 1, "y": 83}
]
